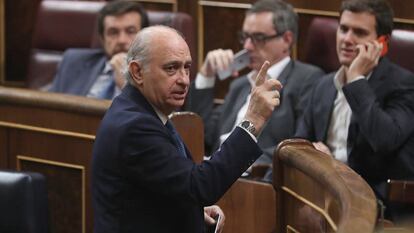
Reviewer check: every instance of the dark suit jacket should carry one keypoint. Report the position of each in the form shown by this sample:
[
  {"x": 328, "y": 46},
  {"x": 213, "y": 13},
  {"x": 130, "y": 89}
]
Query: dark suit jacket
[
  {"x": 381, "y": 132},
  {"x": 297, "y": 79},
  {"x": 78, "y": 71},
  {"x": 141, "y": 183}
]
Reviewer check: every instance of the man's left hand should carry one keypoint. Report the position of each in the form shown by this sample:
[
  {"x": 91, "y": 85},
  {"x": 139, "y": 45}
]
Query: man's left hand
[{"x": 212, "y": 211}]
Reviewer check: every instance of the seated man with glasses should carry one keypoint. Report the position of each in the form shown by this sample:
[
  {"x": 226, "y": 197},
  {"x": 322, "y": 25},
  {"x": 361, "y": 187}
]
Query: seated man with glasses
[{"x": 269, "y": 31}]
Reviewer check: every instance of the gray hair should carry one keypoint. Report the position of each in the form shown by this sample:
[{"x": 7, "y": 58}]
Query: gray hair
[
  {"x": 140, "y": 49},
  {"x": 284, "y": 17}
]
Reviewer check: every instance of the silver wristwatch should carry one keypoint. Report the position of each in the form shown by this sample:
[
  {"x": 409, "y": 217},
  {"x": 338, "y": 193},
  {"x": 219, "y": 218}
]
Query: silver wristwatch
[{"x": 247, "y": 125}]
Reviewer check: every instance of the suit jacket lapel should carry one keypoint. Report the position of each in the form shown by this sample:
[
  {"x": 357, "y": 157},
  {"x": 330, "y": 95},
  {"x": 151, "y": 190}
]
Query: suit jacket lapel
[
  {"x": 325, "y": 111},
  {"x": 283, "y": 77}
]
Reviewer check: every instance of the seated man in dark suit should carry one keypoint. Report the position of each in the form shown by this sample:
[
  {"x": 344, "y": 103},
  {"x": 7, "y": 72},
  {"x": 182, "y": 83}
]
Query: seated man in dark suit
[
  {"x": 98, "y": 72},
  {"x": 143, "y": 176},
  {"x": 269, "y": 31},
  {"x": 362, "y": 114}
]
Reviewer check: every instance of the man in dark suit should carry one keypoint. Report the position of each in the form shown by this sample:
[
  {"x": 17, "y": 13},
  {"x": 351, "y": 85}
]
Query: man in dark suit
[
  {"x": 143, "y": 177},
  {"x": 269, "y": 31},
  {"x": 98, "y": 73},
  {"x": 362, "y": 114}
]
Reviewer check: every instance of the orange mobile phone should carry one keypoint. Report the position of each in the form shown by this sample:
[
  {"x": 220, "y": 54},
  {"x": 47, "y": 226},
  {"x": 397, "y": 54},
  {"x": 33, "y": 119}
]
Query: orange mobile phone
[{"x": 384, "y": 41}]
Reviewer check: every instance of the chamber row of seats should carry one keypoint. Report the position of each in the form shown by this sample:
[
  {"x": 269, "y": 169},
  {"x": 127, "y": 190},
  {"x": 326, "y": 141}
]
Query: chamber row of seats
[{"x": 72, "y": 24}]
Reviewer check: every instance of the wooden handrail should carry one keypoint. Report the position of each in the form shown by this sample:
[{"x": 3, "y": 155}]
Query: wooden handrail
[
  {"x": 323, "y": 186},
  {"x": 57, "y": 101}
]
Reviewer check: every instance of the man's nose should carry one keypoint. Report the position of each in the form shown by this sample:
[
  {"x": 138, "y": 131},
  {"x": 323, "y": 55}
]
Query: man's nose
[
  {"x": 123, "y": 38},
  {"x": 248, "y": 44},
  {"x": 349, "y": 37},
  {"x": 183, "y": 77}
]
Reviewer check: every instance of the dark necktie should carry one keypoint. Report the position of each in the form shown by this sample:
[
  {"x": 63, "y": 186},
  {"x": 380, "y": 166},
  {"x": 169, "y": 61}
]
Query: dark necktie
[
  {"x": 109, "y": 87},
  {"x": 177, "y": 139}
]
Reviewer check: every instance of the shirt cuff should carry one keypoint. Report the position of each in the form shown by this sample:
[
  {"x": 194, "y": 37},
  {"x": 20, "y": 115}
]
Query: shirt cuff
[
  {"x": 202, "y": 82},
  {"x": 358, "y": 78},
  {"x": 251, "y": 135}
]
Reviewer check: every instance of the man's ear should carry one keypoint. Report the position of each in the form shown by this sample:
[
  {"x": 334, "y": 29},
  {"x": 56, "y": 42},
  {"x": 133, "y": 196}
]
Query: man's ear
[
  {"x": 135, "y": 71},
  {"x": 288, "y": 39}
]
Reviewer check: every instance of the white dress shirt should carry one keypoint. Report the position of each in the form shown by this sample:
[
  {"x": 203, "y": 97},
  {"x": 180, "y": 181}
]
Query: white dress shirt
[{"x": 340, "y": 119}]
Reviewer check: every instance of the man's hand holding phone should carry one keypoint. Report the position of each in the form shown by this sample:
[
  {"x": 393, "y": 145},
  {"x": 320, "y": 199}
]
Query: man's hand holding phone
[
  {"x": 224, "y": 63},
  {"x": 368, "y": 56},
  {"x": 214, "y": 219}
]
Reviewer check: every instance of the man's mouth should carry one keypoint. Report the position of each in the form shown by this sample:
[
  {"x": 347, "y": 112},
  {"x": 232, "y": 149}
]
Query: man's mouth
[
  {"x": 179, "y": 94},
  {"x": 348, "y": 51}
]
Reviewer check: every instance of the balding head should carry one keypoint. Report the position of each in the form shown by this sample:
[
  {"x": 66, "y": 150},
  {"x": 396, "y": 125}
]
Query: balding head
[
  {"x": 159, "y": 64},
  {"x": 147, "y": 42}
]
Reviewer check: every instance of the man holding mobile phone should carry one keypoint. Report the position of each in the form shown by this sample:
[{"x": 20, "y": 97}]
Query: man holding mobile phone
[
  {"x": 362, "y": 114},
  {"x": 269, "y": 31}
]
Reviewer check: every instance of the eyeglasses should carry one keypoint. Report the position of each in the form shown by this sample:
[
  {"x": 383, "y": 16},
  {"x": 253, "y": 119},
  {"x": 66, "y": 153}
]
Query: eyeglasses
[{"x": 256, "y": 38}]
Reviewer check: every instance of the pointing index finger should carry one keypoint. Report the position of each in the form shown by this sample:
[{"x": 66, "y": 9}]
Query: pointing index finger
[{"x": 261, "y": 76}]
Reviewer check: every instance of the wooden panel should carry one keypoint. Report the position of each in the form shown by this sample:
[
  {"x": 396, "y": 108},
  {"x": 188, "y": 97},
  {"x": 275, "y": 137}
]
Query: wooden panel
[
  {"x": 66, "y": 192},
  {"x": 20, "y": 18},
  {"x": 249, "y": 206},
  {"x": 64, "y": 160},
  {"x": 158, "y": 6},
  {"x": 325, "y": 5},
  {"x": 403, "y": 9}
]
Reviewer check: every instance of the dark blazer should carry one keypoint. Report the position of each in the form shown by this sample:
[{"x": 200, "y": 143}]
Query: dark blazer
[
  {"x": 381, "y": 132},
  {"x": 297, "y": 79},
  {"x": 78, "y": 71},
  {"x": 141, "y": 183}
]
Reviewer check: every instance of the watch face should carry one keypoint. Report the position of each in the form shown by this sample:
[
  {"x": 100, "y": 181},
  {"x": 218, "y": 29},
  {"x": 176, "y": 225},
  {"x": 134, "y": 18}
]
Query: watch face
[{"x": 245, "y": 124}]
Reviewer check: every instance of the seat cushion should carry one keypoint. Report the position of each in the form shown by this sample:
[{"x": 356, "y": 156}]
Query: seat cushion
[{"x": 23, "y": 202}]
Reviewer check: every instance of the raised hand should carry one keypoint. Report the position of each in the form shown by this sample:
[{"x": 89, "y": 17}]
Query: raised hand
[
  {"x": 119, "y": 65},
  {"x": 265, "y": 97},
  {"x": 216, "y": 60},
  {"x": 367, "y": 58}
]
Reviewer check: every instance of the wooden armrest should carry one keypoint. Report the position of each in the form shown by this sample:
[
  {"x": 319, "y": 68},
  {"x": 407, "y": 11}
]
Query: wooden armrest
[{"x": 401, "y": 191}]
